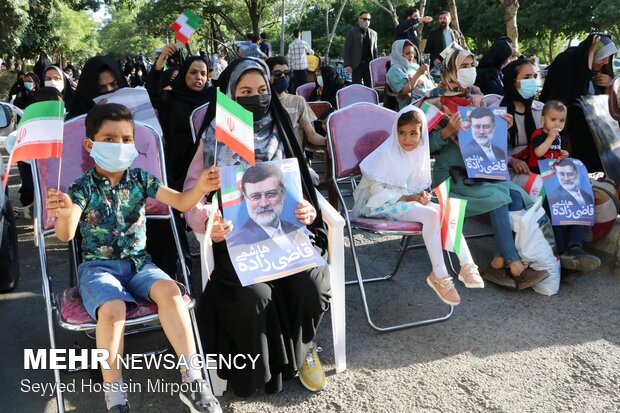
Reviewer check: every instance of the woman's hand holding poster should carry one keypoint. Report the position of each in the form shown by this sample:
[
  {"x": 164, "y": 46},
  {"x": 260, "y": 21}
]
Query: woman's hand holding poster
[{"x": 267, "y": 241}]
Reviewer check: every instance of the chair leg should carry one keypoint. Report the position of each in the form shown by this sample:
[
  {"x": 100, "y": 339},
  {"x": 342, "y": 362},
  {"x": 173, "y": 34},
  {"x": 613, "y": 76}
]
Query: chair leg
[
  {"x": 360, "y": 282},
  {"x": 401, "y": 255}
]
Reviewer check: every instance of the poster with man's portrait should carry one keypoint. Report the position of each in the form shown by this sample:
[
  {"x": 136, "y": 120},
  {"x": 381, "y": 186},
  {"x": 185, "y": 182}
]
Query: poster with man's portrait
[
  {"x": 267, "y": 241},
  {"x": 569, "y": 192},
  {"x": 483, "y": 139}
]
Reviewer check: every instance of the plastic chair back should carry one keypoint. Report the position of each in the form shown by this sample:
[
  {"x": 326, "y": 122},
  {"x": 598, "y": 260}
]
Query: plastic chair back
[
  {"x": 378, "y": 72},
  {"x": 354, "y": 94},
  {"x": 356, "y": 131},
  {"x": 319, "y": 107},
  {"x": 305, "y": 90},
  {"x": 196, "y": 119}
]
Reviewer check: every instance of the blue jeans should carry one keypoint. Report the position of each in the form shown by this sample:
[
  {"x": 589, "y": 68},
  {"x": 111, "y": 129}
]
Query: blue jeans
[{"x": 500, "y": 222}]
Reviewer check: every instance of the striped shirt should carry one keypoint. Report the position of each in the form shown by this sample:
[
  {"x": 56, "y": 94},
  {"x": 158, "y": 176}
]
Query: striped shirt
[{"x": 297, "y": 51}]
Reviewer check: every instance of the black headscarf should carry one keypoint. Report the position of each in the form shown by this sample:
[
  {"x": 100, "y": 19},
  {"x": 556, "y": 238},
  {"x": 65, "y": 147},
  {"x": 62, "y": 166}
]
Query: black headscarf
[
  {"x": 43, "y": 62},
  {"x": 292, "y": 149},
  {"x": 511, "y": 95},
  {"x": 186, "y": 99},
  {"x": 568, "y": 77},
  {"x": 332, "y": 83},
  {"x": 88, "y": 86},
  {"x": 26, "y": 97},
  {"x": 489, "y": 68},
  {"x": 18, "y": 86}
]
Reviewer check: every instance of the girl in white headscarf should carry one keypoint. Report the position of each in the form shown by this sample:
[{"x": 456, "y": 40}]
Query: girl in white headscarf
[{"x": 395, "y": 185}]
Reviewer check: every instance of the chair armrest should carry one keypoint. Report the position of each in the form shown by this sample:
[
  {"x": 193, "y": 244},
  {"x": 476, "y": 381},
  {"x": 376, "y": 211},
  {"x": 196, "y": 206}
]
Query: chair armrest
[{"x": 335, "y": 239}]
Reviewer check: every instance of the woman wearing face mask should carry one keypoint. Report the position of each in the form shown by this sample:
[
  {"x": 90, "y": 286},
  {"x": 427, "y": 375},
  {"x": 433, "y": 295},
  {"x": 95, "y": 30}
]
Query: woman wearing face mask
[
  {"x": 26, "y": 96},
  {"x": 328, "y": 82},
  {"x": 406, "y": 77},
  {"x": 278, "y": 319},
  {"x": 497, "y": 198},
  {"x": 581, "y": 70},
  {"x": 100, "y": 75},
  {"x": 520, "y": 86},
  {"x": 54, "y": 77},
  {"x": 488, "y": 73}
]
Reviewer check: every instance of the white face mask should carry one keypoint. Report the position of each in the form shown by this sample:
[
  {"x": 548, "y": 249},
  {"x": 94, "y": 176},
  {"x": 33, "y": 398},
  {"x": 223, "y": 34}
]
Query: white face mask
[
  {"x": 319, "y": 80},
  {"x": 58, "y": 84},
  {"x": 466, "y": 77}
]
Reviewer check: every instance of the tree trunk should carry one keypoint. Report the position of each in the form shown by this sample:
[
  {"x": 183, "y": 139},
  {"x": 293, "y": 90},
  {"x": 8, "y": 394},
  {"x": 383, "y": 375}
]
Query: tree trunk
[
  {"x": 510, "y": 20},
  {"x": 255, "y": 15},
  {"x": 330, "y": 36},
  {"x": 455, "y": 17},
  {"x": 552, "y": 36},
  {"x": 389, "y": 10}
]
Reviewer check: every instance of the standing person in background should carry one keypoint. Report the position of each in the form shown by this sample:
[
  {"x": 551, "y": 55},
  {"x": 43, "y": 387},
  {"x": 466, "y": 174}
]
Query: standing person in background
[
  {"x": 253, "y": 50},
  {"x": 360, "y": 47},
  {"x": 297, "y": 59},
  {"x": 265, "y": 45},
  {"x": 489, "y": 77},
  {"x": 18, "y": 86},
  {"x": 43, "y": 62},
  {"x": 442, "y": 37},
  {"x": 26, "y": 96},
  {"x": 408, "y": 29}
]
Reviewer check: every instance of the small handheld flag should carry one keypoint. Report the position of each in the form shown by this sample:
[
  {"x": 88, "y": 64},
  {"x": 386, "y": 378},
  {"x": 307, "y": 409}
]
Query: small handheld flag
[
  {"x": 452, "y": 216},
  {"x": 433, "y": 115},
  {"x": 234, "y": 126},
  {"x": 186, "y": 25},
  {"x": 39, "y": 133}
]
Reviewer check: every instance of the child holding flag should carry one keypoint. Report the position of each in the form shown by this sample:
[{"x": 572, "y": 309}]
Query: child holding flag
[
  {"x": 394, "y": 185},
  {"x": 109, "y": 203}
]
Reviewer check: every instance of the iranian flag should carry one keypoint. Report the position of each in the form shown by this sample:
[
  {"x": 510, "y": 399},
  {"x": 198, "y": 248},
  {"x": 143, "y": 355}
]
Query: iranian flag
[
  {"x": 534, "y": 186},
  {"x": 39, "y": 133},
  {"x": 433, "y": 115},
  {"x": 452, "y": 224},
  {"x": 186, "y": 25},
  {"x": 232, "y": 195},
  {"x": 452, "y": 215},
  {"x": 234, "y": 126}
]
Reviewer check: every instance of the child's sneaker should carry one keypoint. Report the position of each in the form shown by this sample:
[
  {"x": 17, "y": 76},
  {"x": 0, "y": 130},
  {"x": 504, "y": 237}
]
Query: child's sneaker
[
  {"x": 119, "y": 409},
  {"x": 311, "y": 373},
  {"x": 199, "y": 398},
  {"x": 470, "y": 276},
  {"x": 444, "y": 287}
]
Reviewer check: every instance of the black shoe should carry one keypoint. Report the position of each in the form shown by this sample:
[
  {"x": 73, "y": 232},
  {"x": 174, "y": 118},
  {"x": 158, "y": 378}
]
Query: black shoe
[
  {"x": 577, "y": 259},
  {"x": 199, "y": 398},
  {"x": 119, "y": 409},
  {"x": 499, "y": 276}
]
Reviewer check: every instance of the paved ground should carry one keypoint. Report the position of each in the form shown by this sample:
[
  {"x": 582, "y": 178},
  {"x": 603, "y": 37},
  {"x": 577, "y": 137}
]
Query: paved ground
[{"x": 502, "y": 351}]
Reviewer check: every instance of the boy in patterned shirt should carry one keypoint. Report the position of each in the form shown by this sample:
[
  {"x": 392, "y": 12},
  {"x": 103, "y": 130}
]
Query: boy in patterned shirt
[{"x": 108, "y": 201}]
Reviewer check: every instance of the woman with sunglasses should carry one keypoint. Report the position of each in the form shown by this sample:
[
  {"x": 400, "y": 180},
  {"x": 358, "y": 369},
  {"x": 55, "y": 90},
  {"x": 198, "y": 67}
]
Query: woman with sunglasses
[
  {"x": 278, "y": 319},
  {"x": 497, "y": 198}
]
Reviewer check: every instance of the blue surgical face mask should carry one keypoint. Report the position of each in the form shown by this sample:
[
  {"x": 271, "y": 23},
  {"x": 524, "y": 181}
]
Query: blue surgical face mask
[
  {"x": 29, "y": 85},
  {"x": 113, "y": 157},
  {"x": 528, "y": 88}
]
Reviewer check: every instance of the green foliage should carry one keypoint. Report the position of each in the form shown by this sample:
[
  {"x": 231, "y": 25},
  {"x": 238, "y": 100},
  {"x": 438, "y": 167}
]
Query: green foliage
[
  {"x": 14, "y": 17},
  {"x": 35, "y": 37},
  {"x": 73, "y": 35},
  {"x": 123, "y": 35}
]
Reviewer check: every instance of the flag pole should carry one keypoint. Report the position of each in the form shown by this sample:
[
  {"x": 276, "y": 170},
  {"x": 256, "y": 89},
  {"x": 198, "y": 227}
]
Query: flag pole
[
  {"x": 59, "y": 169},
  {"x": 215, "y": 154}
]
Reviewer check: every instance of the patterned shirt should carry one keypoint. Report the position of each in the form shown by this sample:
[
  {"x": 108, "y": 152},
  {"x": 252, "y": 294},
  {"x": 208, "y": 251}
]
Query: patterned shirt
[
  {"x": 113, "y": 221},
  {"x": 297, "y": 51}
]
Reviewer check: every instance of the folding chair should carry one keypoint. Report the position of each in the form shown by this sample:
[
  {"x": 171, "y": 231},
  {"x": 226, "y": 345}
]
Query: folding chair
[
  {"x": 67, "y": 307},
  {"x": 335, "y": 263},
  {"x": 356, "y": 93},
  {"x": 318, "y": 108},
  {"x": 378, "y": 72},
  {"x": 196, "y": 119},
  {"x": 305, "y": 90},
  {"x": 492, "y": 100},
  {"x": 353, "y": 133}
]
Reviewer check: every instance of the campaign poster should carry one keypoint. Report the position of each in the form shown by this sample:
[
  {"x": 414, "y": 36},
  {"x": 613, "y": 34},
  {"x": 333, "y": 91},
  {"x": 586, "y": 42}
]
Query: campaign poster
[
  {"x": 569, "y": 193},
  {"x": 267, "y": 241},
  {"x": 483, "y": 139}
]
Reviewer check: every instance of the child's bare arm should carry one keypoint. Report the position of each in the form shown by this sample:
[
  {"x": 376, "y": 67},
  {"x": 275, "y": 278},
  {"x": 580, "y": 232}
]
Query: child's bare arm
[
  {"x": 67, "y": 214},
  {"x": 542, "y": 149},
  {"x": 208, "y": 181}
]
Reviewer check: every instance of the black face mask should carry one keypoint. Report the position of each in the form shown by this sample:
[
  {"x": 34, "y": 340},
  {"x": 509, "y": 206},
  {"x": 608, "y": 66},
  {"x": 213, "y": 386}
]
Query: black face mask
[{"x": 257, "y": 104}]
